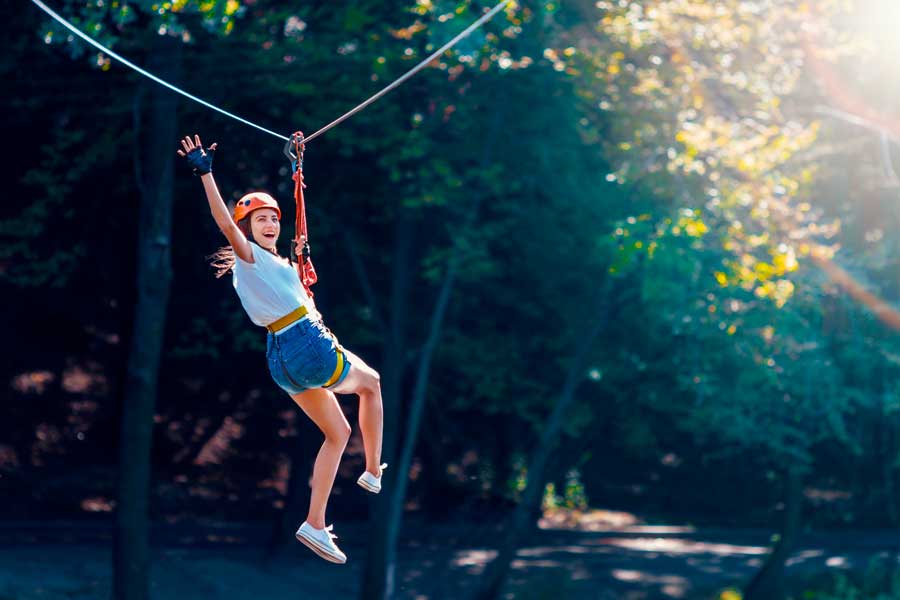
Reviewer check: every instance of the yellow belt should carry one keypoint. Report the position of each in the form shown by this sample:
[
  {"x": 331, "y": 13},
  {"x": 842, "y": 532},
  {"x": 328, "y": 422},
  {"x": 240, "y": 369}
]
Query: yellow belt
[
  {"x": 291, "y": 317},
  {"x": 296, "y": 315}
]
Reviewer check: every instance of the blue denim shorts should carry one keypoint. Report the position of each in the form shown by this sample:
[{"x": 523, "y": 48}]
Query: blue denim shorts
[{"x": 304, "y": 357}]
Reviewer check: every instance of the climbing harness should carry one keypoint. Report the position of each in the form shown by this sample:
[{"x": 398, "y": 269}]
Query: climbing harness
[
  {"x": 294, "y": 316},
  {"x": 288, "y": 319}
]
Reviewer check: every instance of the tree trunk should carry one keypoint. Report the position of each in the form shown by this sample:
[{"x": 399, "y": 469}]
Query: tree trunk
[
  {"x": 521, "y": 521},
  {"x": 378, "y": 573},
  {"x": 768, "y": 583},
  {"x": 296, "y": 498},
  {"x": 423, "y": 370},
  {"x": 154, "y": 273},
  {"x": 389, "y": 510}
]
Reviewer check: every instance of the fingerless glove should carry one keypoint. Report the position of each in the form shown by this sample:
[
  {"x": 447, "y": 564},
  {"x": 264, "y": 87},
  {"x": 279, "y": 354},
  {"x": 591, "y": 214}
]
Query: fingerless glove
[{"x": 201, "y": 160}]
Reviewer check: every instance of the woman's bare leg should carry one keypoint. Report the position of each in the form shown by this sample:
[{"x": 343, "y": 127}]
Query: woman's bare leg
[
  {"x": 365, "y": 381},
  {"x": 322, "y": 407}
]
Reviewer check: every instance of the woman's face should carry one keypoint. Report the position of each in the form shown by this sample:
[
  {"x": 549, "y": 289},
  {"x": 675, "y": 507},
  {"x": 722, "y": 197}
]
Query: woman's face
[{"x": 265, "y": 227}]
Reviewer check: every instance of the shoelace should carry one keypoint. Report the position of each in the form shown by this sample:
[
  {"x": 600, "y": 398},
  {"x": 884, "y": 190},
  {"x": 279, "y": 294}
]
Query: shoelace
[{"x": 328, "y": 531}]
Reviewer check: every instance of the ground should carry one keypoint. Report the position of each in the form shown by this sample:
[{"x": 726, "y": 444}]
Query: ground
[{"x": 231, "y": 561}]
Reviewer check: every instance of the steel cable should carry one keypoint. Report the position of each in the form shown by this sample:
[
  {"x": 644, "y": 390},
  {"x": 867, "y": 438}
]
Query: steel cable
[{"x": 343, "y": 117}]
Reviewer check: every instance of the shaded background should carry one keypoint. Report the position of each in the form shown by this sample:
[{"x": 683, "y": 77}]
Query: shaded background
[{"x": 619, "y": 264}]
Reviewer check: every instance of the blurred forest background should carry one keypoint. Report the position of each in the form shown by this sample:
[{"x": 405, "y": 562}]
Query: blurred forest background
[{"x": 619, "y": 263}]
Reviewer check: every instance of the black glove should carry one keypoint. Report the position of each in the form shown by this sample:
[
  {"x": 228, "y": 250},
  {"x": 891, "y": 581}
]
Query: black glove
[{"x": 201, "y": 160}]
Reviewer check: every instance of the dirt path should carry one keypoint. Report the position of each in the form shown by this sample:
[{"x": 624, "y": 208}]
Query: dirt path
[{"x": 67, "y": 561}]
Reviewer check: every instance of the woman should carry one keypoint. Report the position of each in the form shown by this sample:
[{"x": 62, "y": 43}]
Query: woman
[{"x": 304, "y": 358}]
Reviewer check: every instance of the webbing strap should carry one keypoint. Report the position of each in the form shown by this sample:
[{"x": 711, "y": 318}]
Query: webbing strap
[
  {"x": 292, "y": 317},
  {"x": 305, "y": 269},
  {"x": 338, "y": 369}
]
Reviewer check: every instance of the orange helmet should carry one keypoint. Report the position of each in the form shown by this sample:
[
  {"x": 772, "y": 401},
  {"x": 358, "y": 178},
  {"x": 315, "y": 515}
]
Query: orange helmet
[{"x": 251, "y": 202}]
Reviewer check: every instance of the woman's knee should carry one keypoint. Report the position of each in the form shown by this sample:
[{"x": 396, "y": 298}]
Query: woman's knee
[
  {"x": 345, "y": 433},
  {"x": 371, "y": 384},
  {"x": 339, "y": 434},
  {"x": 322, "y": 407}
]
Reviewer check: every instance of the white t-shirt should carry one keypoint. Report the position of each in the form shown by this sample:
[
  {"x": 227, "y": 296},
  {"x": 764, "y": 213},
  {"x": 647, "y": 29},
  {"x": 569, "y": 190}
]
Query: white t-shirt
[{"x": 269, "y": 288}]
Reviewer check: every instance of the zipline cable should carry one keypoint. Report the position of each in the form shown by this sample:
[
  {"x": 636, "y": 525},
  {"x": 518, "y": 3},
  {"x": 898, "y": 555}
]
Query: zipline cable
[
  {"x": 347, "y": 115},
  {"x": 412, "y": 71},
  {"x": 128, "y": 63}
]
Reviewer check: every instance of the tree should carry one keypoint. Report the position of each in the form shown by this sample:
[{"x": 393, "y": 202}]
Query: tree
[
  {"x": 155, "y": 168},
  {"x": 706, "y": 108}
]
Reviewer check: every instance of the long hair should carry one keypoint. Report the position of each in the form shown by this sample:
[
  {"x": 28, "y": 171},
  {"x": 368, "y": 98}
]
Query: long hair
[{"x": 222, "y": 260}]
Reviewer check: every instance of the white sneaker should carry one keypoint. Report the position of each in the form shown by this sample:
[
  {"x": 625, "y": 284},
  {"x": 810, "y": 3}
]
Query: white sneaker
[
  {"x": 321, "y": 542},
  {"x": 369, "y": 482}
]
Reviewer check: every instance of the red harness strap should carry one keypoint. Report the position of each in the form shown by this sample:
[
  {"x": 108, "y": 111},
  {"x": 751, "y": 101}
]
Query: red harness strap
[{"x": 305, "y": 268}]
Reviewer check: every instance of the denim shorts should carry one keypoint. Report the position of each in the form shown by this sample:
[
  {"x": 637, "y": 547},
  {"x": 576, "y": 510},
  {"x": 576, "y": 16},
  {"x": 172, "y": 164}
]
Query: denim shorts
[{"x": 304, "y": 357}]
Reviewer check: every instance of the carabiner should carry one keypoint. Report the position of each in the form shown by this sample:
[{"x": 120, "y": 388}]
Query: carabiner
[{"x": 296, "y": 158}]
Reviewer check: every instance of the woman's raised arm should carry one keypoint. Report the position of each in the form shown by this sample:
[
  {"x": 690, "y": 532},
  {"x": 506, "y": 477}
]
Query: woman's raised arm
[{"x": 201, "y": 160}]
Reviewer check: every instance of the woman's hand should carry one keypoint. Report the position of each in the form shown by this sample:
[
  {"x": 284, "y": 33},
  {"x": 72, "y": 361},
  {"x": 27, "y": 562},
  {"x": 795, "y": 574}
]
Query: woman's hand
[
  {"x": 199, "y": 158},
  {"x": 300, "y": 246}
]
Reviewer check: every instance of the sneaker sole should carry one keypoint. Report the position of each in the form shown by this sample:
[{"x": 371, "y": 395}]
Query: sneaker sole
[
  {"x": 312, "y": 545},
  {"x": 367, "y": 487}
]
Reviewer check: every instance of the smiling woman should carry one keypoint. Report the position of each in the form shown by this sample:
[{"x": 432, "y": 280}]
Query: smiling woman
[
  {"x": 304, "y": 358},
  {"x": 258, "y": 217}
]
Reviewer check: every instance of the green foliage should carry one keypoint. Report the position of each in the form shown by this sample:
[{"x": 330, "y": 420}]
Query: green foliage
[
  {"x": 879, "y": 582},
  {"x": 47, "y": 187},
  {"x": 519, "y": 480},
  {"x": 572, "y": 498},
  {"x": 107, "y": 22},
  {"x": 561, "y": 148},
  {"x": 550, "y": 499},
  {"x": 202, "y": 339}
]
